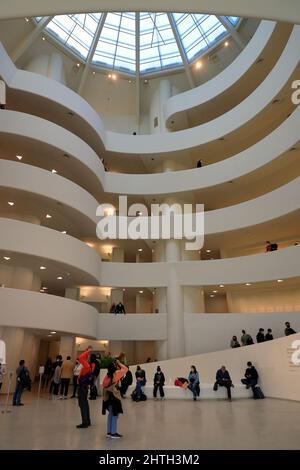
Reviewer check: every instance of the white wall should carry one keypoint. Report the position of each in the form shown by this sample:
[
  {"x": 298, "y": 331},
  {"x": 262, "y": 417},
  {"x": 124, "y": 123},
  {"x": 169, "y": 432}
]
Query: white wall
[
  {"x": 279, "y": 299},
  {"x": 132, "y": 326},
  {"x": 278, "y": 377},
  {"x": 213, "y": 331}
]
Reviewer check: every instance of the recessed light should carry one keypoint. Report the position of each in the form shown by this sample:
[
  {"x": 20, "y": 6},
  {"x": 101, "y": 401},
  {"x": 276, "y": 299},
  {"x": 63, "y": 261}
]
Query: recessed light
[
  {"x": 7, "y": 258},
  {"x": 109, "y": 75},
  {"x": 45, "y": 288},
  {"x": 141, "y": 291},
  {"x": 198, "y": 65},
  {"x": 211, "y": 295},
  {"x": 11, "y": 203},
  {"x": 48, "y": 216},
  {"x": 140, "y": 249},
  {"x": 43, "y": 38},
  {"x": 279, "y": 280},
  {"x": 129, "y": 81},
  {"x": 19, "y": 157},
  {"x": 53, "y": 332},
  {"x": 226, "y": 43},
  {"x": 49, "y": 336},
  {"x": 215, "y": 291},
  {"x": 26, "y": 19},
  {"x": 59, "y": 278},
  {"x": 124, "y": 290},
  {"x": 64, "y": 231},
  {"x": 208, "y": 251},
  {"x": 221, "y": 285},
  {"x": 248, "y": 284},
  {"x": 53, "y": 171},
  {"x": 43, "y": 267},
  {"x": 78, "y": 64},
  {"x": 94, "y": 73},
  {"x": 114, "y": 76}
]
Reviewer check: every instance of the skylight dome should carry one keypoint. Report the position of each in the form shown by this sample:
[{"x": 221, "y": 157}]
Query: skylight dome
[{"x": 139, "y": 43}]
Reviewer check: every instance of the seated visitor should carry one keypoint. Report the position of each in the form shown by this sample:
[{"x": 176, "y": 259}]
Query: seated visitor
[
  {"x": 269, "y": 335},
  {"x": 246, "y": 339},
  {"x": 271, "y": 246},
  {"x": 234, "y": 343},
  {"x": 120, "y": 308},
  {"x": 260, "y": 337},
  {"x": 223, "y": 379},
  {"x": 158, "y": 383},
  {"x": 251, "y": 377},
  {"x": 199, "y": 164},
  {"x": 126, "y": 382},
  {"x": 194, "y": 382},
  {"x": 140, "y": 376},
  {"x": 288, "y": 330}
]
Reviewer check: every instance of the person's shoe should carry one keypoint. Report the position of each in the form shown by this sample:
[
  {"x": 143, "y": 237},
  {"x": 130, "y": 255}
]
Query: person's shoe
[
  {"x": 60, "y": 398},
  {"x": 82, "y": 426},
  {"x": 108, "y": 435},
  {"x": 229, "y": 399},
  {"x": 116, "y": 436},
  {"x": 65, "y": 398},
  {"x": 232, "y": 385},
  {"x": 20, "y": 404},
  {"x": 195, "y": 398}
]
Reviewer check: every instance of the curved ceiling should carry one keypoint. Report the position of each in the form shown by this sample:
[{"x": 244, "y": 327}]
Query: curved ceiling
[{"x": 138, "y": 42}]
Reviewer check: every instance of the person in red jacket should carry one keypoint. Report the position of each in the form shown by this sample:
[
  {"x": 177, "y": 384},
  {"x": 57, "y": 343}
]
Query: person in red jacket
[{"x": 84, "y": 380}]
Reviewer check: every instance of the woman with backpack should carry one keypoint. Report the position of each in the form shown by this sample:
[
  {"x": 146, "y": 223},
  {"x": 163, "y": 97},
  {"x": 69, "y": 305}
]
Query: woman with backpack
[{"x": 112, "y": 397}]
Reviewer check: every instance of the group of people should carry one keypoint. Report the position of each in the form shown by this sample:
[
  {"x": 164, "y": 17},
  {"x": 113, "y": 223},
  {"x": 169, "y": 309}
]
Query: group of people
[
  {"x": 117, "y": 308},
  {"x": 261, "y": 337}
]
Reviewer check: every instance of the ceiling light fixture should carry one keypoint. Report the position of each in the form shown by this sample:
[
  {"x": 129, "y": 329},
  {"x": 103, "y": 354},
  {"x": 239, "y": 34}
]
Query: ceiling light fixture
[
  {"x": 78, "y": 64},
  {"x": 19, "y": 157},
  {"x": 114, "y": 76},
  {"x": 27, "y": 20},
  {"x": 59, "y": 278},
  {"x": 43, "y": 38},
  {"x": 43, "y": 267},
  {"x": 211, "y": 295},
  {"x": 140, "y": 250},
  {"x": 208, "y": 251},
  {"x": 221, "y": 285},
  {"x": 279, "y": 280},
  {"x": 64, "y": 231},
  {"x": 53, "y": 332},
  {"x": 11, "y": 203},
  {"x": 215, "y": 291},
  {"x": 248, "y": 284},
  {"x": 141, "y": 291},
  {"x": 198, "y": 65},
  {"x": 48, "y": 216},
  {"x": 7, "y": 258},
  {"x": 226, "y": 43}
]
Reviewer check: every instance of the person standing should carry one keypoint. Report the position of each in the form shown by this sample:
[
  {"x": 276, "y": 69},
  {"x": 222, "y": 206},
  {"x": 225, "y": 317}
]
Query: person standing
[
  {"x": 126, "y": 382},
  {"x": 76, "y": 371},
  {"x": 65, "y": 376},
  {"x": 95, "y": 368},
  {"x": 288, "y": 330},
  {"x": 223, "y": 379},
  {"x": 159, "y": 382},
  {"x": 2, "y": 373},
  {"x": 112, "y": 397},
  {"x": 194, "y": 382},
  {"x": 56, "y": 378},
  {"x": 269, "y": 335},
  {"x": 260, "y": 337},
  {"x": 251, "y": 377},
  {"x": 141, "y": 381},
  {"x": 120, "y": 308},
  {"x": 22, "y": 382},
  {"x": 84, "y": 381}
]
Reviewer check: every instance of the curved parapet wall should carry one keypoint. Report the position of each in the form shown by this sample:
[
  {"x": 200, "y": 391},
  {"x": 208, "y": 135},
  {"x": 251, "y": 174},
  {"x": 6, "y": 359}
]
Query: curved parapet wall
[
  {"x": 44, "y": 243},
  {"x": 223, "y": 81},
  {"x": 177, "y": 141},
  {"x": 21, "y": 308}
]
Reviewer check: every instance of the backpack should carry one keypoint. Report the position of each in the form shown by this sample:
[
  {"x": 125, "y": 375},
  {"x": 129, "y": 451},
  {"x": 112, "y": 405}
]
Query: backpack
[
  {"x": 106, "y": 382},
  {"x": 135, "y": 396},
  {"x": 258, "y": 393}
]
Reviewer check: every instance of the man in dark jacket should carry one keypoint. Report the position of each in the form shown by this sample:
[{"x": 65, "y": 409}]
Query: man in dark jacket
[
  {"x": 140, "y": 376},
  {"x": 159, "y": 382},
  {"x": 251, "y": 377},
  {"x": 288, "y": 330},
  {"x": 22, "y": 382},
  {"x": 269, "y": 335},
  {"x": 125, "y": 382},
  {"x": 260, "y": 337},
  {"x": 120, "y": 308},
  {"x": 223, "y": 379}
]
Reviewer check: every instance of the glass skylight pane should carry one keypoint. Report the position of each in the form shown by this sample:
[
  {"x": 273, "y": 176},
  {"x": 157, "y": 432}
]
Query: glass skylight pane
[{"x": 116, "y": 47}]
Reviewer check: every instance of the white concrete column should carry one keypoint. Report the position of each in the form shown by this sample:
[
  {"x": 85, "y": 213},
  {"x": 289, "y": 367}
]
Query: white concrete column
[
  {"x": 159, "y": 98},
  {"x": 67, "y": 347},
  {"x": 49, "y": 65},
  {"x": 175, "y": 321},
  {"x": 2, "y": 94}
]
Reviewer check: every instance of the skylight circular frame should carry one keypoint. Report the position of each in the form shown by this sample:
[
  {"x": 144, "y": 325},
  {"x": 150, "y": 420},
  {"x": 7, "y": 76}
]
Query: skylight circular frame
[{"x": 138, "y": 43}]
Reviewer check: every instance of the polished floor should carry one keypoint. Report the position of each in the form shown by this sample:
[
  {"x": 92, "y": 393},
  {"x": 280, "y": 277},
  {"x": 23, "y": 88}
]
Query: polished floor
[{"x": 172, "y": 424}]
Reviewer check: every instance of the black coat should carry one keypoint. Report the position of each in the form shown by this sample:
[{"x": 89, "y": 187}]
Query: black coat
[
  {"x": 251, "y": 373},
  {"x": 159, "y": 377}
]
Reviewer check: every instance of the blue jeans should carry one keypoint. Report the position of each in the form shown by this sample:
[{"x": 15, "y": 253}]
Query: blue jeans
[
  {"x": 17, "y": 394},
  {"x": 194, "y": 388},
  {"x": 139, "y": 385},
  {"x": 112, "y": 422}
]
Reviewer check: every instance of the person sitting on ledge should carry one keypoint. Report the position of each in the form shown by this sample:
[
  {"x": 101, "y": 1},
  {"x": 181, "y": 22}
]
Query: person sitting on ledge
[
  {"x": 260, "y": 337},
  {"x": 246, "y": 339},
  {"x": 120, "y": 308},
  {"x": 251, "y": 377},
  {"x": 234, "y": 343},
  {"x": 288, "y": 330},
  {"x": 269, "y": 335},
  {"x": 223, "y": 379},
  {"x": 194, "y": 382}
]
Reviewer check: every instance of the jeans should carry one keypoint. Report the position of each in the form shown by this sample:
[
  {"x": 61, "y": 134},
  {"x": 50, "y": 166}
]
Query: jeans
[
  {"x": 194, "y": 388},
  {"x": 55, "y": 388},
  {"x": 139, "y": 385},
  {"x": 161, "y": 390},
  {"x": 75, "y": 385},
  {"x": 227, "y": 384},
  {"x": 17, "y": 394},
  {"x": 64, "y": 387},
  {"x": 250, "y": 383},
  {"x": 112, "y": 422},
  {"x": 84, "y": 405}
]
